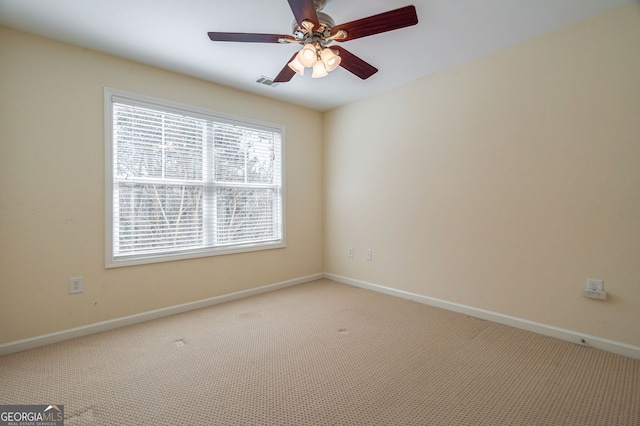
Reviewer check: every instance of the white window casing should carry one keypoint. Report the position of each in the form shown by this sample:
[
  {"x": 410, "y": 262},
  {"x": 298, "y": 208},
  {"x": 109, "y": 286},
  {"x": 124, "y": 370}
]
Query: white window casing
[{"x": 184, "y": 182}]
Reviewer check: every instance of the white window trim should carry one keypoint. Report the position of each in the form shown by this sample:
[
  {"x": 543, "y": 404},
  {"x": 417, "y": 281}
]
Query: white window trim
[{"x": 110, "y": 262}]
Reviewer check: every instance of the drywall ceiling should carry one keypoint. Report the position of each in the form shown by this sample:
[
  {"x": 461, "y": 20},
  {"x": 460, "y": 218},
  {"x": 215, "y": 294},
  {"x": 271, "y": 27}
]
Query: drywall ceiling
[{"x": 172, "y": 34}]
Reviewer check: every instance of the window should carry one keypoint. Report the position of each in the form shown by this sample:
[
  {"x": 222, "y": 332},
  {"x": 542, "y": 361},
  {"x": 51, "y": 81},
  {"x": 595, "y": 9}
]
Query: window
[{"x": 184, "y": 182}]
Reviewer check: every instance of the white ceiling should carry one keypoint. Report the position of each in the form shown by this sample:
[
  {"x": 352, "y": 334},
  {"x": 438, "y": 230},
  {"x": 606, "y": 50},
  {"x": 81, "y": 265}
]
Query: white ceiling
[{"x": 172, "y": 34}]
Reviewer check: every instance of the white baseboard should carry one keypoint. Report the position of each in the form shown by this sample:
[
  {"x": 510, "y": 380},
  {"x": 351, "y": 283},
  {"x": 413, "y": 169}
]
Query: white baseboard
[
  {"x": 72, "y": 333},
  {"x": 547, "y": 330}
]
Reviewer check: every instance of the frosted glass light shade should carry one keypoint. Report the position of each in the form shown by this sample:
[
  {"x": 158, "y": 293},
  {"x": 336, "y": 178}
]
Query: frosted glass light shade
[
  {"x": 319, "y": 70},
  {"x": 330, "y": 59},
  {"x": 308, "y": 55},
  {"x": 296, "y": 66}
]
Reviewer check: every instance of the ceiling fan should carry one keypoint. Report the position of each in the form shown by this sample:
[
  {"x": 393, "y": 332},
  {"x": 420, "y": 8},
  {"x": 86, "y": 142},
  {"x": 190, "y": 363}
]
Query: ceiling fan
[{"x": 315, "y": 30}]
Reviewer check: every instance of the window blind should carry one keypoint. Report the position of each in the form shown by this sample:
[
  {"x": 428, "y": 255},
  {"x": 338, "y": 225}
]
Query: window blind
[{"x": 190, "y": 183}]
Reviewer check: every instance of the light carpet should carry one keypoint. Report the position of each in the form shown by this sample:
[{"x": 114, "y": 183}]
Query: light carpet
[{"x": 324, "y": 353}]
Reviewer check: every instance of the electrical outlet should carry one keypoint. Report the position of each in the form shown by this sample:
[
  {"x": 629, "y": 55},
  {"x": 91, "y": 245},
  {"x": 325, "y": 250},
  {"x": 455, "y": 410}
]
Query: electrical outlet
[
  {"x": 76, "y": 285},
  {"x": 594, "y": 294},
  {"x": 596, "y": 285},
  {"x": 350, "y": 251},
  {"x": 368, "y": 254}
]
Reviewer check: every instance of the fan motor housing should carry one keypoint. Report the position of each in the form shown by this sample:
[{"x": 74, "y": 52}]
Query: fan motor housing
[
  {"x": 317, "y": 35},
  {"x": 319, "y": 4}
]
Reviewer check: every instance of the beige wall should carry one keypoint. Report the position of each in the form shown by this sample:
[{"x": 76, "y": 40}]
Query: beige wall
[
  {"x": 502, "y": 184},
  {"x": 52, "y": 191}
]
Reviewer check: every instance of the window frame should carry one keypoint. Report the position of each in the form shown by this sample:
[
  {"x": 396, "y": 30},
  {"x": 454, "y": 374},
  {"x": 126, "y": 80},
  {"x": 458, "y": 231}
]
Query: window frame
[{"x": 111, "y": 261}]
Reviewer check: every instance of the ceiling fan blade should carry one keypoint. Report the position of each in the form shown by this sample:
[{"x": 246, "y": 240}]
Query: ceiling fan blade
[
  {"x": 249, "y": 37},
  {"x": 355, "y": 65},
  {"x": 286, "y": 73},
  {"x": 304, "y": 10},
  {"x": 376, "y": 24}
]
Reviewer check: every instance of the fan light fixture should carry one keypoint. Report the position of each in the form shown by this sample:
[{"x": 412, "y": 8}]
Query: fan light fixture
[
  {"x": 322, "y": 60},
  {"x": 319, "y": 70},
  {"x": 330, "y": 59},
  {"x": 296, "y": 66},
  {"x": 308, "y": 56}
]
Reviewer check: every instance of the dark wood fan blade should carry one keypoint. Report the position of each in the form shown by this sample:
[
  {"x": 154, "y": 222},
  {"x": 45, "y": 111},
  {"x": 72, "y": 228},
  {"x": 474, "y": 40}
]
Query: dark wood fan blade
[
  {"x": 304, "y": 10},
  {"x": 355, "y": 65},
  {"x": 248, "y": 37},
  {"x": 286, "y": 73},
  {"x": 376, "y": 24}
]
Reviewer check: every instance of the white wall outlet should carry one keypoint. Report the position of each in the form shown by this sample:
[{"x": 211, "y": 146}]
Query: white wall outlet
[
  {"x": 594, "y": 294},
  {"x": 595, "y": 285},
  {"x": 350, "y": 251},
  {"x": 368, "y": 254},
  {"x": 76, "y": 285}
]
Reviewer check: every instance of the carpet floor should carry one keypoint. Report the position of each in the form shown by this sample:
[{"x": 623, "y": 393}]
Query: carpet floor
[{"x": 324, "y": 353}]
